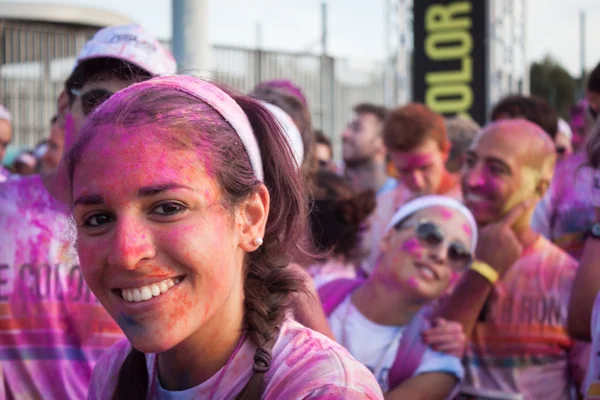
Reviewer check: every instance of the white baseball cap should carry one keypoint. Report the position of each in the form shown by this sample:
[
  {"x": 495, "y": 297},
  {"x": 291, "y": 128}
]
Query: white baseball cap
[
  {"x": 129, "y": 43},
  {"x": 5, "y": 114}
]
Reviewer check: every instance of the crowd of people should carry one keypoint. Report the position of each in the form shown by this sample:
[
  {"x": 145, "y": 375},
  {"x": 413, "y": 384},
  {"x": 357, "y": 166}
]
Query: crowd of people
[{"x": 175, "y": 239}]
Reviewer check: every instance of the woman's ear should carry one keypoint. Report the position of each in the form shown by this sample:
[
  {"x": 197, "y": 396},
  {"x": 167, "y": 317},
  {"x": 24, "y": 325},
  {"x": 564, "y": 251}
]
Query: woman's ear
[{"x": 252, "y": 219}]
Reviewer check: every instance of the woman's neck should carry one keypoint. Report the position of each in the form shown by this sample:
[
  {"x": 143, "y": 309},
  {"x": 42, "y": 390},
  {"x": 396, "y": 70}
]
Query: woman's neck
[
  {"x": 204, "y": 353},
  {"x": 384, "y": 305}
]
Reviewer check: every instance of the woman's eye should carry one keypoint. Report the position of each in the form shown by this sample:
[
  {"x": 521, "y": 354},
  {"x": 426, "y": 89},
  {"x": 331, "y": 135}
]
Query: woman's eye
[
  {"x": 167, "y": 209},
  {"x": 96, "y": 220}
]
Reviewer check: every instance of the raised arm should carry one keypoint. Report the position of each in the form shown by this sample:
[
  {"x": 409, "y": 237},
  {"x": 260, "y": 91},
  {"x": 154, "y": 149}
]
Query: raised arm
[
  {"x": 585, "y": 289},
  {"x": 499, "y": 248}
]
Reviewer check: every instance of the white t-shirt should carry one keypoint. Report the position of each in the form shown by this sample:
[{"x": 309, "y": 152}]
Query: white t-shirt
[
  {"x": 376, "y": 346},
  {"x": 305, "y": 365}
]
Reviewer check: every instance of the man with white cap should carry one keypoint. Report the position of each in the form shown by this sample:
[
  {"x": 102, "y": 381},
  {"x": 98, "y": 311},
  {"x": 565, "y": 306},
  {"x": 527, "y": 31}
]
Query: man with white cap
[
  {"x": 5, "y": 138},
  {"x": 53, "y": 328}
]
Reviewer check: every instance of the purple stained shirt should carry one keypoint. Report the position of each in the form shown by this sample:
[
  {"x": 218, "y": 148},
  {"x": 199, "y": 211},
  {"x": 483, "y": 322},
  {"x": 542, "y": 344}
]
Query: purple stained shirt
[
  {"x": 52, "y": 328},
  {"x": 305, "y": 365}
]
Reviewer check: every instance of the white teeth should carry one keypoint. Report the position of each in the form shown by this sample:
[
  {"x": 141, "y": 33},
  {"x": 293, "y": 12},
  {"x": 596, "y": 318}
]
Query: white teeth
[
  {"x": 163, "y": 286},
  {"x": 474, "y": 197},
  {"x": 147, "y": 292},
  {"x": 427, "y": 272}
]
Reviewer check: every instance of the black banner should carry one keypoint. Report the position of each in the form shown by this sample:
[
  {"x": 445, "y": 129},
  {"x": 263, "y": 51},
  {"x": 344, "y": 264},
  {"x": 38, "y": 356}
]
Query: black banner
[{"x": 449, "y": 59}]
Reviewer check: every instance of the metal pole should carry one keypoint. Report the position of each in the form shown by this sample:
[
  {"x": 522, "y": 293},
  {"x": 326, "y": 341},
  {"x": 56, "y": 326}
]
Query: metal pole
[
  {"x": 323, "y": 65},
  {"x": 258, "y": 35},
  {"x": 324, "y": 28},
  {"x": 582, "y": 50},
  {"x": 191, "y": 46}
]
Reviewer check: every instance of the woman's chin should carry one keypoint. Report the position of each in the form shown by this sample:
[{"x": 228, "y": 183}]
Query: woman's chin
[
  {"x": 150, "y": 344},
  {"x": 421, "y": 289}
]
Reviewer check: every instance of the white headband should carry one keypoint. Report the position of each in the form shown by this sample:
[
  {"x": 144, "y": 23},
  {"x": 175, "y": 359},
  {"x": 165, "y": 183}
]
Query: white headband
[
  {"x": 26, "y": 159},
  {"x": 214, "y": 97},
  {"x": 421, "y": 203},
  {"x": 290, "y": 129}
]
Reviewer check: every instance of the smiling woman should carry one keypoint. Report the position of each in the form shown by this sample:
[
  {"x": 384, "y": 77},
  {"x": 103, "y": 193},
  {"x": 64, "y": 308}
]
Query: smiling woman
[
  {"x": 427, "y": 246},
  {"x": 184, "y": 245}
]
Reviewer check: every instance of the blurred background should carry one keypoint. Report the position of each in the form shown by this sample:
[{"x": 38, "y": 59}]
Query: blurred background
[{"x": 341, "y": 52}]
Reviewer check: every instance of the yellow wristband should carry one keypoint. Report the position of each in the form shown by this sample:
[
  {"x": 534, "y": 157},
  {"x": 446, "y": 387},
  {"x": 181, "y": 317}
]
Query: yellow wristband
[{"x": 486, "y": 271}]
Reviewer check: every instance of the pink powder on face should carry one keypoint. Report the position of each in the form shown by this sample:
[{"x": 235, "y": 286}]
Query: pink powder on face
[
  {"x": 412, "y": 246},
  {"x": 446, "y": 213},
  {"x": 467, "y": 229},
  {"x": 454, "y": 277},
  {"x": 415, "y": 161},
  {"x": 70, "y": 134},
  {"x": 412, "y": 282}
]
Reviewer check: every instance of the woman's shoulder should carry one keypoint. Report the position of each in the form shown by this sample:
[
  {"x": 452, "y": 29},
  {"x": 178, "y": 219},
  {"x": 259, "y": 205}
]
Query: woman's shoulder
[
  {"x": 308, "y": 364},
  {"x": 107, "y": 369}
]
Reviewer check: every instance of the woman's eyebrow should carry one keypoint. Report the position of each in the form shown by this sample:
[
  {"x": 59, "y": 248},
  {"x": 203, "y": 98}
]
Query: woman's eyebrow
[
  {"x": 148, "y": 191},
  {"x": 89, "y": 199}
]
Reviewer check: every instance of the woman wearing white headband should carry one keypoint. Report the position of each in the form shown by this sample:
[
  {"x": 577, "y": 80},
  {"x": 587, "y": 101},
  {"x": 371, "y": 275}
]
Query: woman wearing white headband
[
  {"x": 188, "y": 250},
  {"x": 384, "y": 320}
]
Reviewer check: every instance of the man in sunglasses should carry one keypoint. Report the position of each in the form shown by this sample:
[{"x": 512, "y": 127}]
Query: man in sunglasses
[
  {"x": 54, "y": 329},
  {"x": 515, "y": 298},
  {"x": 5, "y": 138}
]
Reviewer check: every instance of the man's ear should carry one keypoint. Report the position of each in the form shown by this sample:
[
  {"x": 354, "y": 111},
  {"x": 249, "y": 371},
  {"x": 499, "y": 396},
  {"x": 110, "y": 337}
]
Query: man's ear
[{"x": 252, "y": 219}]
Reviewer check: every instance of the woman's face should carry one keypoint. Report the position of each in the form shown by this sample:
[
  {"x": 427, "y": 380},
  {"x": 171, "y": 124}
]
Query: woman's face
[
  {"x": 157, "y": 245},
  {"x": 428, "y": 253}
]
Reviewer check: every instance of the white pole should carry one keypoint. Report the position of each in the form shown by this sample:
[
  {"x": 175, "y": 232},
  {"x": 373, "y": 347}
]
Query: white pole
[{"x": 191, "y": 45}]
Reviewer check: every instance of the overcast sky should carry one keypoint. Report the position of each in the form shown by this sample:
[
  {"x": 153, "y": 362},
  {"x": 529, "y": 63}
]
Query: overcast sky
[{"x": 356, "y": 27}]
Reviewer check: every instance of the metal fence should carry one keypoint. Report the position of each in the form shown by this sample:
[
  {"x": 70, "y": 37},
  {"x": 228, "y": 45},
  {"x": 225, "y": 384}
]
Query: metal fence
[{"x": 36, "y": 58}]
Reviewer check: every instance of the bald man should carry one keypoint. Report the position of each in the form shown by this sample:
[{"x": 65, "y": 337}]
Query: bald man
[{"x": 519, "y": 343}]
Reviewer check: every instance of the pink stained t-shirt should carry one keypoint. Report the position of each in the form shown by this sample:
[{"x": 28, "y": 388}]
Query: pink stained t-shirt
[
  {"x": 305, "y": 365},
  {"x": 521, "y": 344},
  {"x": 52, "y": 329},
  {"x": 387, "y": 205},
  {"x": 565, "y": 213}
]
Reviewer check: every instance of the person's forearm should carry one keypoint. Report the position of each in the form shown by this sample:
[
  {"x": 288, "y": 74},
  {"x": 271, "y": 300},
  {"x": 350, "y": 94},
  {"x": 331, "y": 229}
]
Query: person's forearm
[
  {"x": 466, "y": 301},
  {"x": 427, "y": 386},
  {"x": 585, "y": 289}
]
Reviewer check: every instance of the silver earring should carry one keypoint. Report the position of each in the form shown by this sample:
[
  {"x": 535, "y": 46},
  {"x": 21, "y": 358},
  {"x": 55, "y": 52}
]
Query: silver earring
[{"x": 258, "y": 241}]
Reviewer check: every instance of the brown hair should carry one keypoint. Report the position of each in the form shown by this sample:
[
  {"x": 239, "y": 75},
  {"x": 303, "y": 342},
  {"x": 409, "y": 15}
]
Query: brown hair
[
  {"x": 186, "y": 122},
  {"x": 338, "y": 215},
  {"x": 593, "y": 146},
  {"x": 300, "y": 114},
  {"x": 531, "y": 108},
  {"x": 408, "y": 127},
  {"x": 367, "y": 108}
]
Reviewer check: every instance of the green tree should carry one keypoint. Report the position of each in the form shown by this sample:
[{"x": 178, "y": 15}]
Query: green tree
[{"x": 551, "y": 81}]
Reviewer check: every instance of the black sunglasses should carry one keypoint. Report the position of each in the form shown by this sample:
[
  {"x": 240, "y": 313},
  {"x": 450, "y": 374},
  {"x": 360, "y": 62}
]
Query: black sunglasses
[
  {"x": 91, "y": 99},
  {"x": 429, "y": 233}
]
